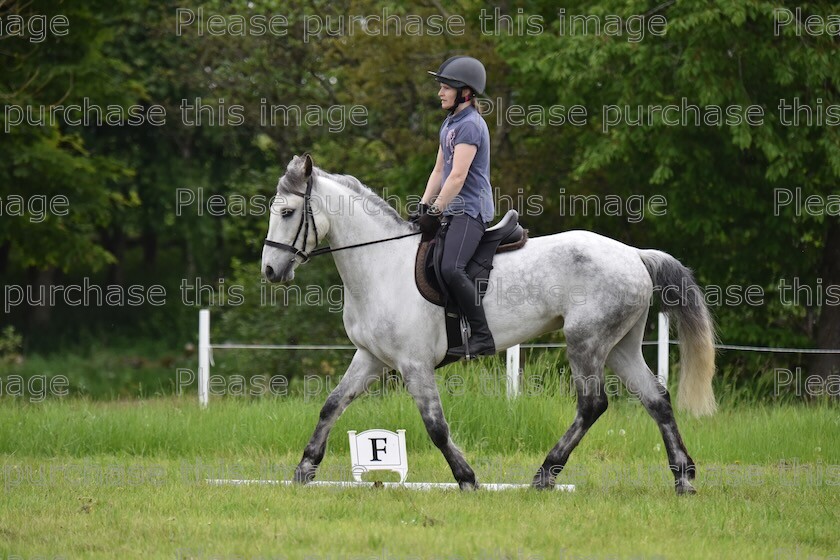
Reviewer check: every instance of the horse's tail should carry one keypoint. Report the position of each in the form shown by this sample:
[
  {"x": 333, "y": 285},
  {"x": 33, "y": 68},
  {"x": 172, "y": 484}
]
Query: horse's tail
[{"x": 682, "y": 298}]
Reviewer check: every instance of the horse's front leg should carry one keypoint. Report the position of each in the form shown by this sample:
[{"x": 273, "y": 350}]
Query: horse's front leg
[
  {"x": 364, "y": 369},
  {"x": 420, "y": 382}
]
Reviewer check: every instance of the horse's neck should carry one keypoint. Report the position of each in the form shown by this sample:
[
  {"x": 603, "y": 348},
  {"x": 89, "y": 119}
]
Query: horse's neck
[{"x": 352, "y": 220}]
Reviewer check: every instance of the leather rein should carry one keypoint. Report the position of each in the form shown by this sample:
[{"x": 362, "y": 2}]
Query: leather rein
[{"x": 303, "y": 226}]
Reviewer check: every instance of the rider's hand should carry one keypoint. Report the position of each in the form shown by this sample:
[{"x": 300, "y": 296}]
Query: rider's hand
[
  {"x": 413, "y": 217},
  {"x": 429, "y": 222}
]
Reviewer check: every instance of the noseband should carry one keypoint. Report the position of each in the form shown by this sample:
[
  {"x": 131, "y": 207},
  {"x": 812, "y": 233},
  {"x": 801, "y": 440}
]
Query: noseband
[{"x": 303, "y": 226}]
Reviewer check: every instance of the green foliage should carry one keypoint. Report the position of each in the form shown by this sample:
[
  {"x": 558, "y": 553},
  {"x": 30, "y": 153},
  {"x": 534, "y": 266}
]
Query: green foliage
[
  {"x": 52, "y": 160},
  {"x": 124, "y": 182},
  {"x": 116, "y": 370},
  {"x": 10, "y": 345},
  {"x": 719, "y": 180},
  {"x": 307, "y": 311}
]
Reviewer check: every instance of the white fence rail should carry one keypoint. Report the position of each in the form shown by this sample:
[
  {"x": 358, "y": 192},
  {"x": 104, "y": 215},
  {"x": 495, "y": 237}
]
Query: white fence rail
[{"x": 513, "y": 370}]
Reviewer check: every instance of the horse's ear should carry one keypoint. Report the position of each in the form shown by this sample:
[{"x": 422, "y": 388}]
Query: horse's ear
[{"x": 307, "y": 165}]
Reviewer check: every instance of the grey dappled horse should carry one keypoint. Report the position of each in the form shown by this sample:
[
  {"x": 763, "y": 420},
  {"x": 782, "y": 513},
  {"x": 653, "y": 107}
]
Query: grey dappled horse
[{"x": 596, "y": 289}]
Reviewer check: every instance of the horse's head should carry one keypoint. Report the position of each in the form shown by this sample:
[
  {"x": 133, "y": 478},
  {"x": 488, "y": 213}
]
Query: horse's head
[{"x": 294, "y": 226}]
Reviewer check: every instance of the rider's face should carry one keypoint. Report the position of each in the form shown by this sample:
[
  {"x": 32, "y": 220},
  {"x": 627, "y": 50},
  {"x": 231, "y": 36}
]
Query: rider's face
[{"x": 447, "y": 96}]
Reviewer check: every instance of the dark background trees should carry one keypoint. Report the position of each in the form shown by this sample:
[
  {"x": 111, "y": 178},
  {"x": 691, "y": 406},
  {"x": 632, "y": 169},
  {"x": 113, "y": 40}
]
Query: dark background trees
[{"x": 721, "y": 182}]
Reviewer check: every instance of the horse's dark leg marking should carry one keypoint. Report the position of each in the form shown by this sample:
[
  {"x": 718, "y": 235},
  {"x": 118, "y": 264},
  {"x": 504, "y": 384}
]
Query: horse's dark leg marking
[
  {"x": 591, "y": 404},
  {"x": 627, "y": 361},
  {"x": 362, "y": 370},
  {"x": 679, "y": 461},
  {"x": 422, "y": 387}
]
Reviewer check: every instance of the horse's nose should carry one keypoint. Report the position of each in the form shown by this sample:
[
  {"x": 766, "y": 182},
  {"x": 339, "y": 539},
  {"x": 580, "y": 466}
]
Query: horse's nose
[{"x": 269, "y": 273}]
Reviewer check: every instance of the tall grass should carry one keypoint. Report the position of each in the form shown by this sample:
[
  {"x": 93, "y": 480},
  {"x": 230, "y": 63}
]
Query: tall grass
[{"x": 481, "y": 424}]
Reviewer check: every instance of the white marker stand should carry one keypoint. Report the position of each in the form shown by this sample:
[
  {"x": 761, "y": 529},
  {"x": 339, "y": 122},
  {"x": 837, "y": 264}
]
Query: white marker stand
[{"x": 378, "y": 450}]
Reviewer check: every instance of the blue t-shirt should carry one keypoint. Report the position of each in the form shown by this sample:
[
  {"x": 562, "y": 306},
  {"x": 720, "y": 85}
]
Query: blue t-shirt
[{"x": 476, "y": 196}]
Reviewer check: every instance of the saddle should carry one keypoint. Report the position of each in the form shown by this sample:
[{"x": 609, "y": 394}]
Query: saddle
[{"x": 507, "y": 235}]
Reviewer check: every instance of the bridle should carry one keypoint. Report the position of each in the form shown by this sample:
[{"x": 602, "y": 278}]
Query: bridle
[{"x": 303, "y": 226}]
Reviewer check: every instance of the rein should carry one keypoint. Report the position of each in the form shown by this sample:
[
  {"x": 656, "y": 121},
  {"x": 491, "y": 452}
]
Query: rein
[{"x": 304, "y": 225}]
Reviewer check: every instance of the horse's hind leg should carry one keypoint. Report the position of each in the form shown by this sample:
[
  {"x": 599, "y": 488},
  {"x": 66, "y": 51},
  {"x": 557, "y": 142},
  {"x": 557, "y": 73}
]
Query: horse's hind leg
[
  {"x": 421, "y": 384},
  {"x": 364, "y": 369},
  {"x": 587, "y": 365},
  {"x": 627, "y": 362}
]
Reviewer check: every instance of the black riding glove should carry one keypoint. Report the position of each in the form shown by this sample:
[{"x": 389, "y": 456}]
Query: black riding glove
[
  {"x": 429, "y": 223},
  {"x": 413, "y": 217}
]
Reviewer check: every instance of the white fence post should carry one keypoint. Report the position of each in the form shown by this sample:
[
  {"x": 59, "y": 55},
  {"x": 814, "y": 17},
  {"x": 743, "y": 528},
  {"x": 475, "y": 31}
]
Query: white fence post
[
  {"x": 203, "y": 356},
  {"x": 662, "y": 350},
  {"x": 513, "y": 371}
]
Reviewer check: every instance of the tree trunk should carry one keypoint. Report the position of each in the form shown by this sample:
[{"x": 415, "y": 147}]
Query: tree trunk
[
  {"x": 41, "y": 314},
  {"x": 115, "y": 243},
  {"x": 150, "y": 249},
  {"x": 5, "y": 248},
  {"x": 828, "y": 326}
]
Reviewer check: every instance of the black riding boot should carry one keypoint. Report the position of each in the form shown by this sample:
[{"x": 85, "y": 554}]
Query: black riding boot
[{"x": 480, "y": 343}]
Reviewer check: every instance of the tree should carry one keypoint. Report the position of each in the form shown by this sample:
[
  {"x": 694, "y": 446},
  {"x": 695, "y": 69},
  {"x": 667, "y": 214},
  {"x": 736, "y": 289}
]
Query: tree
[
  {"x": 44, "y": 160},
  {"x": 720, "y": 180}
]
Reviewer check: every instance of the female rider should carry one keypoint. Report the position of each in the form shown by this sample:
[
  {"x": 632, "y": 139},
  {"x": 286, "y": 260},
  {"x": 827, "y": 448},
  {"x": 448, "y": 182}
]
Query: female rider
[{"x": 459, "y": 194}]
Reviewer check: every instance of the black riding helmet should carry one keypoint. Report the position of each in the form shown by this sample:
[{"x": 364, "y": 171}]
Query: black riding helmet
[{"x": 460, "y": 72}]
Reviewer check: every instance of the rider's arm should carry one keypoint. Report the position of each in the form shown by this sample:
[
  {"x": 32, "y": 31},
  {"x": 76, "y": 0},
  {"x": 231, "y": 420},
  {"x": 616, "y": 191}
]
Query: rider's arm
[
  {"x": 461, "y": 161},
  {"x": 433, "y": 185}
]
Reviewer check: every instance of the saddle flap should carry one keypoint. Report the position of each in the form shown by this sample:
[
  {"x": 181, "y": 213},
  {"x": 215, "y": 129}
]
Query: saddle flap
[{"x": 507, "y": 235}]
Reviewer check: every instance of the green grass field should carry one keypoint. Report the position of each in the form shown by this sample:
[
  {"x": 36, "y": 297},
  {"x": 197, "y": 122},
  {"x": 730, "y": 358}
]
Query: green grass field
[{"x": 89, "y": 479}]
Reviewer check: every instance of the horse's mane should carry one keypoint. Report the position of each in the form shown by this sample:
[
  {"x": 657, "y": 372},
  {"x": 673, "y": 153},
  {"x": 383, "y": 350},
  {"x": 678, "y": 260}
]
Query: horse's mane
[{"x": 356, "y": 186}]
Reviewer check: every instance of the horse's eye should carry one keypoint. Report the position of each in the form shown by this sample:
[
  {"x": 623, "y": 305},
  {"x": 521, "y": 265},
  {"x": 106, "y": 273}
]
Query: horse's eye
[{"x": 286, "y": 212}]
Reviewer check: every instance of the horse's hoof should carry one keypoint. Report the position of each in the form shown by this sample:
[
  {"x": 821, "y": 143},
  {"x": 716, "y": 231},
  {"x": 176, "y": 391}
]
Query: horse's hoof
[
  {"x": 542, "y": 481},
  {"x": 684, "y": 488},
  {"x": 468, "y": 486},
  {"x": 302, "y": 479},
  {"x": 540, "y": 484},
  {"x": 304, "y": 474}
]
